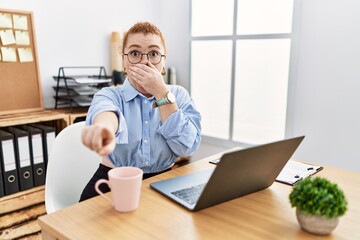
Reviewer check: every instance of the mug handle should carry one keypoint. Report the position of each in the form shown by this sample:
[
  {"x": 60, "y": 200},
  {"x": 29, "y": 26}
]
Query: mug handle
[{"x": 97, "y": 184}]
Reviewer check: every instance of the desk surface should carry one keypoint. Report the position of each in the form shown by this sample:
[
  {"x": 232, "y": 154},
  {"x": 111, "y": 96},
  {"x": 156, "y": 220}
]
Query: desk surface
[{"x": 266, "y": 214}]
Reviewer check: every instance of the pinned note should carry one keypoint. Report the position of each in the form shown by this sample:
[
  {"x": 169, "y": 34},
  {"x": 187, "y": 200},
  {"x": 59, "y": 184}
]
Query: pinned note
[
  {"x": 5, "y": 20},
  {"x": 7, "y": 37},
  {"x": 25, "y": 55},
  {"x": 8, "y": 54},
  {"x": 22, "y": 37},
  {"x": 20, "y": 22}
]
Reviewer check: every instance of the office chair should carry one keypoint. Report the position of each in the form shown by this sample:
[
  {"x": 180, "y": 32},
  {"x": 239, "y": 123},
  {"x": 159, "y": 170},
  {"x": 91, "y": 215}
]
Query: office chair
[{"x": 70, "y": 167}]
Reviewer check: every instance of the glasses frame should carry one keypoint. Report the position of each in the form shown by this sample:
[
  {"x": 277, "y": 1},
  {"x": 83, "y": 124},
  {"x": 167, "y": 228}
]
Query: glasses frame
[{"x": 142, "y": 54}]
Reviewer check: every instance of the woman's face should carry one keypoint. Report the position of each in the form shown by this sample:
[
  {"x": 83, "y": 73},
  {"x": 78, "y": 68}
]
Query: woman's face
[{"x": 144, "y": 44}]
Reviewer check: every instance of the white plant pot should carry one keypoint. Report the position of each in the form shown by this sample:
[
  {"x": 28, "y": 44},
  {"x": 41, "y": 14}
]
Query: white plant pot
[{"x": 316, "y": 224}]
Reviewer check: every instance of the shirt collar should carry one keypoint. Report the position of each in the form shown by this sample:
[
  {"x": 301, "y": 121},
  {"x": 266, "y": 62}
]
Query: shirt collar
[{"x": 130, "y": 92}]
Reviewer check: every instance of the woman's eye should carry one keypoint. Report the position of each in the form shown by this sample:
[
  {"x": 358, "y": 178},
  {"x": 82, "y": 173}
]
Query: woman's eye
[
  {"x": 153, "y": 54},
  {"x": 135, "y": 53}
]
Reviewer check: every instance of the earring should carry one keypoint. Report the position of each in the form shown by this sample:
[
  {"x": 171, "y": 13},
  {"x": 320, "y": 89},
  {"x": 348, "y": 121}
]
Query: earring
[
  {"x": 124, "y": 71},
  {"x": 163, "y": 71}
]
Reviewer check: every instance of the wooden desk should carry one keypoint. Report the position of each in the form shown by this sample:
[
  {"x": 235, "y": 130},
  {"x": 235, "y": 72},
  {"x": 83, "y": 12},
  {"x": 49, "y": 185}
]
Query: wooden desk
[{"x": 263, "y": 215}]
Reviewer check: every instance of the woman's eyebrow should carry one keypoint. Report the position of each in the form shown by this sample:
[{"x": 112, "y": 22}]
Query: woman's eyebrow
[
  {"x": 138, "y": 46},
  {"x": 154, "y": 46},
  {"x": 135, "y": 45}
]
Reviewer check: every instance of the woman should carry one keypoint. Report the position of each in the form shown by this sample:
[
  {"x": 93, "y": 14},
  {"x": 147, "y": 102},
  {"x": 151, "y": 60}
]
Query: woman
[{"x": 144, "y": 123}]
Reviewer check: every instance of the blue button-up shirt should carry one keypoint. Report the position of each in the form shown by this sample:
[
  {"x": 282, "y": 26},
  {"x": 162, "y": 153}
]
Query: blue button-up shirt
[{"x": 142, "y": 139}]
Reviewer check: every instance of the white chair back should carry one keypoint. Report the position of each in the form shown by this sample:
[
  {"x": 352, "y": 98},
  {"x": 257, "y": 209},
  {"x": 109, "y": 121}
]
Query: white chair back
[{"x": 70, "y": 167}]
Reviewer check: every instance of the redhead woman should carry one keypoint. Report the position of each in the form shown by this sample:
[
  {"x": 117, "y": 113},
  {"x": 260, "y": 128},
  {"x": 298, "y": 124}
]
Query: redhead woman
[{"x": 143, "y": 123}]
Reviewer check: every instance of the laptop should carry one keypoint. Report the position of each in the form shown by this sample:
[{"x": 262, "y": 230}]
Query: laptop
[{"x": 237, "y": 174}]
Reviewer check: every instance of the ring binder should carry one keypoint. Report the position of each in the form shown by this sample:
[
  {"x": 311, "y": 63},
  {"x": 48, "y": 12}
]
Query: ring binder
[
  {"x": 8, "y": 163},
  {"x": 22, "y": 156},
  {"x": 36, "y": 154},
  {"x": 48, "y": 137},
  {"x": 2, "y": 191}
]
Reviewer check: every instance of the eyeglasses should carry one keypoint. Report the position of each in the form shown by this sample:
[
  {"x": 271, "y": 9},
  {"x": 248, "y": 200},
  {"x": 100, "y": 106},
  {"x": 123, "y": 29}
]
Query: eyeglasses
[{"x": 153, "y": 56}]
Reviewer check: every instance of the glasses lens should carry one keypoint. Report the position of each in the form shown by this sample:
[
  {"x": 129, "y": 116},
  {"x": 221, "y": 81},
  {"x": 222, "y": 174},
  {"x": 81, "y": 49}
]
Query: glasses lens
[
  {"x": 134, "y": 56},
  {"x": 154, "y": 57}
]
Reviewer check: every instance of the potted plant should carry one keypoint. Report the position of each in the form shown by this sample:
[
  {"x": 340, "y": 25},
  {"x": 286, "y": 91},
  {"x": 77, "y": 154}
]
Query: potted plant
[{"x": 319, "y": 204}]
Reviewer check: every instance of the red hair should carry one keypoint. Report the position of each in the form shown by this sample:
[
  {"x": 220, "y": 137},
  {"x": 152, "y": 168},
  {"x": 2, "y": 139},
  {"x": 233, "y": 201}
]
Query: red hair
[{"x": 145, "y": 28}]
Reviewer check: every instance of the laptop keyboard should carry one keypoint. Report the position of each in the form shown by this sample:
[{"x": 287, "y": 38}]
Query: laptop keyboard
[{"x": 191, "y": 194}]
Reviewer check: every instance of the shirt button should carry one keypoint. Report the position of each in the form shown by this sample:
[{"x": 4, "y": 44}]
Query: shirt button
[
  {"x": 145, "y": 101},
  {"x": 146, "y": 122},
  {"x": 145, "y": 141}
]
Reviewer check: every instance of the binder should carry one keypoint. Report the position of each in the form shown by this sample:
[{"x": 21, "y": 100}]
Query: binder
[
  {"x": 8, "y": 163},
  {"x": 36, "y": 154},
  {"x": 2, "y": 191},
  {"x": 48, "y": 138},
  {"x": 22, "y": 156},
  {"x": 294, "y": 171}
]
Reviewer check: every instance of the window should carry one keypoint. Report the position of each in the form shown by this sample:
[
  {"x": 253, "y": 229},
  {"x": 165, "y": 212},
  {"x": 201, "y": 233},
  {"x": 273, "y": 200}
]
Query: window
[
  {"x": 213, "y": 84},
  {"x": 240, "y": 55}
]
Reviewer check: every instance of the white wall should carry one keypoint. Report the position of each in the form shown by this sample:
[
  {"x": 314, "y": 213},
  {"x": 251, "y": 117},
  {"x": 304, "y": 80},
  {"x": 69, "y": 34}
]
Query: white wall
[
  {"x": 325, "y": 89},
  {"x": 175, "y": 25},
  {"x": 77, "y": 33},
  {"x": 325, "y": 85}
]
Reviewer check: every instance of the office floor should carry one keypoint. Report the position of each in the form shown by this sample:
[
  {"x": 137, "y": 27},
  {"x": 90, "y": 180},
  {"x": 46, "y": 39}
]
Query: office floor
[{"x": 205, "y": 150}]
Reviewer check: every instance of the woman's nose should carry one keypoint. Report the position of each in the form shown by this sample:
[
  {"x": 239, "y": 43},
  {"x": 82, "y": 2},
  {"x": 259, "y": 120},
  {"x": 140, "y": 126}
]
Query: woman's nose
[{"x": 144, "y": 59}]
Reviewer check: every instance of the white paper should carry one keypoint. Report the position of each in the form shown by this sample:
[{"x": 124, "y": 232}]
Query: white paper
[
  {"x": 20, "y": 22},
  {"x": 84, "y": 80},
  {"x": 5, "y": 20},
  {"x": 25, "y": 55},
  {"x": 37, "y": 149},
  {"x": 8, "y": 54},
  {"x": 22, "y": 37},
  {"x": 9, "y": 155},
  {"x": 7, "y": 37},
  {"x": 294, "y": 171},
  {"x": 24, "y": 151},
  {"x": 50, "y": 138}
]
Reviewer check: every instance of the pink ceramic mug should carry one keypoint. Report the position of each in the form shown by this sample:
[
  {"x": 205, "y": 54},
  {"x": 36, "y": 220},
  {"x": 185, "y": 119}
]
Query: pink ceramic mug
[{"x": 125, "y": 184}]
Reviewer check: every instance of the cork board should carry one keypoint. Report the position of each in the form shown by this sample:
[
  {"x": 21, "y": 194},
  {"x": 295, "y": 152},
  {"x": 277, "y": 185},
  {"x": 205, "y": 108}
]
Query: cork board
[{"x": 20, "y": 85}]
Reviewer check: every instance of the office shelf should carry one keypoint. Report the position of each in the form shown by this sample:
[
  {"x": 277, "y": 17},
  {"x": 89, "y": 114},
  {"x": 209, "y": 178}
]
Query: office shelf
[
  {"x": 74, "y": 88},
  {"x": 19, "y": 211}
]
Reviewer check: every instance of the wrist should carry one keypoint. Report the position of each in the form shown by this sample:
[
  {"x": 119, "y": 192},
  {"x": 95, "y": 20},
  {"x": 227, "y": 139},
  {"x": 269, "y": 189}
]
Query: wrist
[
  {"x": 169, "y": 98},
  {"x": 161, "y": 94}
]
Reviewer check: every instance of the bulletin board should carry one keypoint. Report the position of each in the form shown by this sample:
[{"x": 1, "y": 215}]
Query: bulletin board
[{"x": 20, "y": 85}]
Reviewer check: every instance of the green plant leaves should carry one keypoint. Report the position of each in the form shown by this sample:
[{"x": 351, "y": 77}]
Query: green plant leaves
[{"x": 318, "y": 196}]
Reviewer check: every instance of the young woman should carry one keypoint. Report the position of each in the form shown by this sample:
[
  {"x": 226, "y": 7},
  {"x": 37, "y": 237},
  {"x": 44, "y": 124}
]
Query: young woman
[{"x": 143, "y": 123}]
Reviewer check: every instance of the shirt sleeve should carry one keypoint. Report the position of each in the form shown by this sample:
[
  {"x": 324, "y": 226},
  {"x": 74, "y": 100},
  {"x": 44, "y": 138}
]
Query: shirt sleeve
[
  {"x": 105, "y": 101},
  {"x": 182, "y": 129}
]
